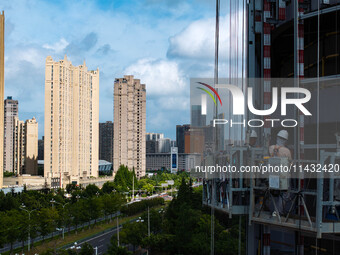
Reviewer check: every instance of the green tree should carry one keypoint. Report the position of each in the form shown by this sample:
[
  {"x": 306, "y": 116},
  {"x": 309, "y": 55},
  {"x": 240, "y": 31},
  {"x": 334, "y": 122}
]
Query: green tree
[
  {"x": 94, "y": 208},
  {"x": 12, "y": 229},
  {"x": 24, "y": 227},
  {"x": 200, "y": 241},
  {"x": 3, "y": 226},
  {"x": 124, "y": 179},
  {"x": 158, "y": 243},
  {"x": 146, "y": 184},
  {"x": 91, "y": 190},
  {"x": 114, "y": 249},
  {"x": 84, "y": 213},
  {"x": 48, "y": 221},
  {"x": 77, "y": 211},
  {"x": 108, "y": 187},
  {"x": 133, "y": 233},
  {"x": 155, "y": 220},
  {"x": 86, "y": 249},
  {"x": 111, "y": 203}
]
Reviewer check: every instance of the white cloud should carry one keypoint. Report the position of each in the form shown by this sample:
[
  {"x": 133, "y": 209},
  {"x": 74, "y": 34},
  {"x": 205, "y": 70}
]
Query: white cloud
[
  {"x": 197, "y": 41},
  {"x": 58, "y": 46},
  {"x": 167, "y": 90},
  {"x": 19, "y": 62},
  {"x": 174, "y": 103},
  {"x": 162, "y": 77},
  {"x": 122, "y": 37}
]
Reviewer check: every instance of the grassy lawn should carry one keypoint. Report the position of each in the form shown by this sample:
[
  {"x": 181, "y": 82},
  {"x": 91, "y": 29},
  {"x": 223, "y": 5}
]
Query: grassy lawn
[{"x": 71, "y": 237}]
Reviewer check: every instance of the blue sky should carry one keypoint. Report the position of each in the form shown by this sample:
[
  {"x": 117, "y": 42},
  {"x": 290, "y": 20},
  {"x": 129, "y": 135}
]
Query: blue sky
[{"x": 163, "y": 43}]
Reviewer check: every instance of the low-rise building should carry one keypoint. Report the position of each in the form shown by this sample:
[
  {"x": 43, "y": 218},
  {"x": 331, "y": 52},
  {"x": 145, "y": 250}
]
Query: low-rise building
[{"x": 158, "y": 161}]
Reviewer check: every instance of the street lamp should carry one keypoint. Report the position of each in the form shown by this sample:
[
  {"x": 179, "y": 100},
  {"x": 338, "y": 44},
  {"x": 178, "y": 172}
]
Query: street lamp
[
  {"x": 77, "y": 197},
  {"x": 97, "y": 193},
  {"x": 52, "y": 201},
  {"x": 63, "y": 206},
  {"x": 118, "y": 230},
  {"x": 22, "y": 207}
]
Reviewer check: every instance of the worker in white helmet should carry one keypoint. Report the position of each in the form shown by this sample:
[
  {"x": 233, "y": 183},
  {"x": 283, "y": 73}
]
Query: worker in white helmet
[
  {"x": 252, "y": 138},
  {"x": 280, "y": 149}
]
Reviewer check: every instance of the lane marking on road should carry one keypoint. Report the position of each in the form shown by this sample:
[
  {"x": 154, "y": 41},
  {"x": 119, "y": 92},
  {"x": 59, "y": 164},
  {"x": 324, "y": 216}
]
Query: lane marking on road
[{"x": 93, "y": 238}]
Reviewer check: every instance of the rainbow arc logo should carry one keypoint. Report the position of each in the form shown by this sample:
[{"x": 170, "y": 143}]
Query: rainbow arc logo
[
  {"x": 209, "y": 93},
  {"x": 204, "y": 97}
]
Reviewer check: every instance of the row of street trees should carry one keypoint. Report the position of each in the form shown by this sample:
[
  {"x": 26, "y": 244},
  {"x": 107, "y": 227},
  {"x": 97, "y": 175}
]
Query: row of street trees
[
  {"x": 35, "y": 214},
  {"x": 183, "y": 228},
  {"x": 30, "y": 214},
  {"x": 126, "y": 181}
]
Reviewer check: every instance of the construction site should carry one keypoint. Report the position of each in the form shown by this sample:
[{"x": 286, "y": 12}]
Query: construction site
[{"x": 278, "y": 51}]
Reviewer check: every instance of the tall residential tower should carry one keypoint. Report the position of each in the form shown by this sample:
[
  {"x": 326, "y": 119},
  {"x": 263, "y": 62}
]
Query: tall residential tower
[
  {"x": 25, "y": 146},
  {"x": 11, "y": 112},
  {"x": 106, "y": 141},
  {"x": 129, "y": 124},
  {"x": 31, "y": 147},
  {"x": 71, "y": 122},
  {"x": 2, "y": 87}
]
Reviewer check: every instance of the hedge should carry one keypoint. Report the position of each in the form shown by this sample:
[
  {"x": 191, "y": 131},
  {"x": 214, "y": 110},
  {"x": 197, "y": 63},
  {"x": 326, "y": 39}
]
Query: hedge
[{"x": 141, "y": 206}]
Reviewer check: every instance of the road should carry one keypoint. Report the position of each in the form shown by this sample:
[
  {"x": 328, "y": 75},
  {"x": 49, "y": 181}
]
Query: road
[
  {"x": 55, "y": 233},
  {"x": 101, "y": 241}
]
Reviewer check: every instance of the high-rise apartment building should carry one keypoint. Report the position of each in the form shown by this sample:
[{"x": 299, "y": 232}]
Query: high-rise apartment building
[
  {"x": 156, "y": 143},
  {"x": 154, "y": 136},
  {"x": 11, "y": 112},
  {"x": 41, "y": 149},
  {"x": 197, "y": 119},
  {"x": 31, "y": 147},
  {"x": 18, "y": 146},
  {"x": 71, "y": 122},
  {"x": 106, "y": 141},
  {"x": 25, "y": 147},
  {"x": 129, "y": 124},
  {"x": 180, "y": 133},
  {"x": 2, "y": 87}
]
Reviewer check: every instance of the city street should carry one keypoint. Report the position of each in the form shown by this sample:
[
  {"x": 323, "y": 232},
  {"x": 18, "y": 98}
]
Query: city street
[{"x": 101, "y": 241}]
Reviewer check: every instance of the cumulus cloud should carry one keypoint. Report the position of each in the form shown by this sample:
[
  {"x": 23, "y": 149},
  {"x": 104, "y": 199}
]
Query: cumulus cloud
[
  {"x": 162, "y": 77},
  {"x": 109, "y": 37},
  {"x": 58, "y": 46},
  {"x": 167, "y": 90},
  {"x": 197, "y": 41},
  {"x": 20, "y": 57}
]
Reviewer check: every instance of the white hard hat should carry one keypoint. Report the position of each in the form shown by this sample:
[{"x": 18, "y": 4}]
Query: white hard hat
[
  {"x": 283, "y": 134},
  {"x": 253, "y": 134}
]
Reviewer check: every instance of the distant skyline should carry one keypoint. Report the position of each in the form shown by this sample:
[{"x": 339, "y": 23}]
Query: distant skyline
[{"x": 162, "y": 43}]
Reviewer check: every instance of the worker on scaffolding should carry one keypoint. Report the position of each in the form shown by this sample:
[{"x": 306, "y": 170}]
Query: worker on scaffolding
[
  {"x": 252, "y": 138},
  {"x": 280, "y": 149}
]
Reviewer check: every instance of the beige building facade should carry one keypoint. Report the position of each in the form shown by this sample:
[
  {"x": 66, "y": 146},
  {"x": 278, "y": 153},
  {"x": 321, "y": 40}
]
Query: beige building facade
[
  {"x": 25, "y": 151},
  {"x": 11, "y": 112},
  {"x": 129, "y": 124},
  {"x": 71, "y": 122},
  {"x": 31, "y": 147},
  {"x": 2, "y": 87}
]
